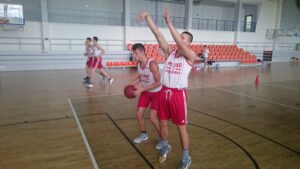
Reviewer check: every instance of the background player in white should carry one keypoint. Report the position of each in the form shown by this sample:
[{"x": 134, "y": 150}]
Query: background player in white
[
  {"x": 205, "y": 54},
  {"x": 96, "y": 65},
  {"x": 173, "y": 102},
  {"x": 148, "y": 84},
  {"x": 89, "y": 54}
]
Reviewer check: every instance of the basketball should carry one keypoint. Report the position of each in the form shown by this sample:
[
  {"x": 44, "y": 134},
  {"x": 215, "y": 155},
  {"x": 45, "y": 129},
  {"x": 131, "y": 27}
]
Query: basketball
[{"x": 128, "y": 91}]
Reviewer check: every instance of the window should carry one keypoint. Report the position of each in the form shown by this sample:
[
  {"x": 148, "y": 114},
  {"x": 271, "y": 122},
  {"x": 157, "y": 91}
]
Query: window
[
  {"x": 12, "y": 12},
  {"x": 248, "y": 23}
]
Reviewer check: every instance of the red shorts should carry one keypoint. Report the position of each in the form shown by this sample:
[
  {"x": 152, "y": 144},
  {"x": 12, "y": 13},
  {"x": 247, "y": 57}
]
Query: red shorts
[
  {"x": 89, "y": 61},
  {"x": 173, "y": 105},
  {"x": 147, "y": 97},
  {"x": 96, "y": 63}
]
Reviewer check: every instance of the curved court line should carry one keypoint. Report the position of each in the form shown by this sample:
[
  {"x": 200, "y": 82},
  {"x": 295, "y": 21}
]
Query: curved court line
[
  {"x": 243, "y": 149},
  {"x": 139, "y": 152},
  {"x": 87, "y": 145},
  {"x": 290, "y": 88},
  {"x": 258, "y": 98},
  {"x": 251, "y": 131},
  {"x": 235, "y": 143}
]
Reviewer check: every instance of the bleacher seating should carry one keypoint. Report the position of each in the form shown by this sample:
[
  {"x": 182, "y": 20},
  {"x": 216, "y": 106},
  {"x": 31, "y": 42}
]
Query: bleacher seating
[
  {"x": 122, "y": 64},
  {"x": 218, "y": 53},
  {"x": 152, "y": 52}
]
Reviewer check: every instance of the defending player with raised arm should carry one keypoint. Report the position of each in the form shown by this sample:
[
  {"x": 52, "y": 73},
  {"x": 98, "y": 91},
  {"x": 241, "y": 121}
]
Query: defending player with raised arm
[{"x": 173, "y": 100}]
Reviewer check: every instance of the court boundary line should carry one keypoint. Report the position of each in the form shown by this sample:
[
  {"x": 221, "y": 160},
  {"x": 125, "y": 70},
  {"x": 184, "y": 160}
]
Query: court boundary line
[
  {"x": 232, "y": 141},
  {"x": 46, "y": 120},
  {"x": 92, "y": 157},
  {"x": 249, "y": 130},
  {"x": 126, "y": 137},
  {"x": 195, "y": 125},
  {"x": 35, "y": 121},
  {"x": 280, "y": 86},
  {"x": 257, "y": 98},
  {"x": 87, "y": 145}
]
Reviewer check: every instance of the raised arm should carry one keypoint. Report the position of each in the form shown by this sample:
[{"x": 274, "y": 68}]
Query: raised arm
[
  {"x": 159, "y": 37},
  {"x": 188, "y": 53}
]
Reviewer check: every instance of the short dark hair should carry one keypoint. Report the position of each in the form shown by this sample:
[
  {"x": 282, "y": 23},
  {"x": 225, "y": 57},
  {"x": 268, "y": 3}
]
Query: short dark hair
[
  {"x": 190, "y": 35},
  {"x": 95, "y": 38},
  {"x": 89, "y": 39},
  {"x": 138, "y": 46}
]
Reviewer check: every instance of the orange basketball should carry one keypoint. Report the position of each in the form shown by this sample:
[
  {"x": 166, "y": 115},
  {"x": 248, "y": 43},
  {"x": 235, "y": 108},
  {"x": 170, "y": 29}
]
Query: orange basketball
[{"x": 128, "y": 91}]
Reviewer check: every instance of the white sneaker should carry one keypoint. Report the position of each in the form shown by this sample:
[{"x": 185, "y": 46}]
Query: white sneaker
[
  {"x": 185, "y": 164},
  {"x": 111, "y": 80},
  {"x": 140, "y": 138},
  {"x": 159, "y": 144},
  {"x": 89, "y": 84},
  {"x": 163, "y": 153}
]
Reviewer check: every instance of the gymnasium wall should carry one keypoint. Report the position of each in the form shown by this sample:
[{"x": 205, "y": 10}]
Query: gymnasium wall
[
  {"x": 267, "y": 10},
  {"x": 66, "y": 35},
  {"x": 290, "y": 14},
  {"x": 265, "y": 20}
]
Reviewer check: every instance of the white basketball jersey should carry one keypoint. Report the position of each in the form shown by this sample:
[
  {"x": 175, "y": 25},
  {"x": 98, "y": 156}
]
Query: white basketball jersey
[
  {"x": 96, "y": 51},
  {"x": 206, "y": 52},
  {"x": 146, "y": 76},
  {"x": 176, "y": 72},
  {"x": 89, "y": 51}
]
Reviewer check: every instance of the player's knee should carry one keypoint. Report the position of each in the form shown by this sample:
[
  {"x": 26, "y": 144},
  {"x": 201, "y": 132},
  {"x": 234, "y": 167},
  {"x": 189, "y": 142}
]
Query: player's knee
[
  {"x": 163, "y": 123},
  {"x": 153, "y": 117},
  {"x": 139, "y": 114}
]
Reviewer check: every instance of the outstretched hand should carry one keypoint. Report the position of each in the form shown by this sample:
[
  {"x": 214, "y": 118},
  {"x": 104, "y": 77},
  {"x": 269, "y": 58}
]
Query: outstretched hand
[
  {"x": 141, "y": 16},
  {"x": 167, "y": 15}
]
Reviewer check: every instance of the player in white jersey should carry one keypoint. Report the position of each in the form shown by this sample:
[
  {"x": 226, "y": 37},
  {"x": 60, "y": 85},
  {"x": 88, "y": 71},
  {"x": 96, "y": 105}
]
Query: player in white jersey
[
  {"x": 205, "y": 54},
  {"x": 96, "y": 65},
  {"x": 173, "y": 101},
  {"x": 148, "y": 84},
  {"x": 89, "y": 54}
]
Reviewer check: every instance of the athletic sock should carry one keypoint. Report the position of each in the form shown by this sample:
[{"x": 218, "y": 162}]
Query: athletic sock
[
  {"x": 185, "y": 154},
  {"x": 164, "y": 142}
]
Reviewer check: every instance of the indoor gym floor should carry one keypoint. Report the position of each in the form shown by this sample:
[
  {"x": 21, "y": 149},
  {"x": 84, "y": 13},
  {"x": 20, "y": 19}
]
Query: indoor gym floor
[{"x": 232, "y": 123}]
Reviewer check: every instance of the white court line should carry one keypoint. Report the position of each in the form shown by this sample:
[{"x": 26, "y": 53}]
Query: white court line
[
  {"x": 212, "y": 86},
  {"x": 87, "y": 145},
  {"x": 290, "y": 88},
  {"x": 258, "y": 98}
]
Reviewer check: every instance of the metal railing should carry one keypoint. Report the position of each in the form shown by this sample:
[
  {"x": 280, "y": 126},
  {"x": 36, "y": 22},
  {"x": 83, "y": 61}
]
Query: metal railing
[
  {"x": 69, "y": 45},
  {"x": 55, "y": 44},
  {"x": 212, "y": 24}
]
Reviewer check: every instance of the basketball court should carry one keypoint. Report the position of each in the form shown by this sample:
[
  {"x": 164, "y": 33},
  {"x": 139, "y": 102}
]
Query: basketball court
[
  {"x": 243, "y": 113},
  {"x": 232, "y": 122}
]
